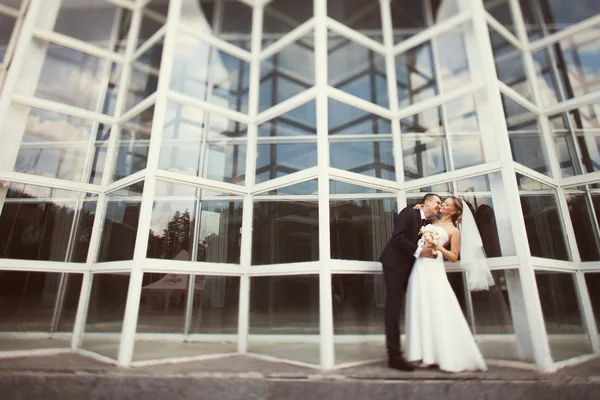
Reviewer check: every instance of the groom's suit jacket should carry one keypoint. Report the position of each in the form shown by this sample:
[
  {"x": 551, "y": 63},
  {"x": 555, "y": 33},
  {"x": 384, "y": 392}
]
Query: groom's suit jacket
[{"x": 399, "y": 252}]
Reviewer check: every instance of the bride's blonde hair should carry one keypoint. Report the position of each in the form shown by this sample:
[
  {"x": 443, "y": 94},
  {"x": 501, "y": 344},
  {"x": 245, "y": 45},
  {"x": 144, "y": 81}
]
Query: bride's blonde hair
[{"x": 458, "y": 207}]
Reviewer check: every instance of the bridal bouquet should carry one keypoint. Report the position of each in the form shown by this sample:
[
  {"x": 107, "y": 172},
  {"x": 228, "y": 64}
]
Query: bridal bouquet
[{"x": 430, "y": 237}]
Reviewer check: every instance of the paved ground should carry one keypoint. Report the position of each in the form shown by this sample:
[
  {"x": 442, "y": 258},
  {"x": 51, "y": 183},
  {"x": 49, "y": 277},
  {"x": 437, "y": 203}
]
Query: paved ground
[{"x": 72, "y": 376}]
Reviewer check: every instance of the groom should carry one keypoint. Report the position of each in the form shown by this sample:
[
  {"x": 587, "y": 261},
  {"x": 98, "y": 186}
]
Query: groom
[{"x": 398, "y": 258}]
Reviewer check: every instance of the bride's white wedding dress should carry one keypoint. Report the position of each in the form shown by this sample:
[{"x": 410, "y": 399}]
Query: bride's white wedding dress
[{"x": 436, "y": 329}]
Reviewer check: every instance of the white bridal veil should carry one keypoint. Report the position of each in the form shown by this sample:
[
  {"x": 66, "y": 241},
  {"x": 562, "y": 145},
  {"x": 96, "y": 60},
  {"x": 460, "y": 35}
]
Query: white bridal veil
[{"x": 472, "y": 256}]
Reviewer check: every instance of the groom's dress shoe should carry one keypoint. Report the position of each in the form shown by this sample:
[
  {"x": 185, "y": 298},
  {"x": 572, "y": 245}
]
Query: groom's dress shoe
[{"x": 400, "y": 364}]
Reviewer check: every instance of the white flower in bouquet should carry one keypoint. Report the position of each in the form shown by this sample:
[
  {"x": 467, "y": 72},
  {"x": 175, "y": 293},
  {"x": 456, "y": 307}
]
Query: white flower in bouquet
[{"x": 430, "y": 237}]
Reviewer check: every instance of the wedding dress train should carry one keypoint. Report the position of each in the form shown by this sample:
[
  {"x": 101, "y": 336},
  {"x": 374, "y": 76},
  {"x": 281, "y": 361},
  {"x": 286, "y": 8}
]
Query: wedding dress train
[{"x": 436, "y": 329}]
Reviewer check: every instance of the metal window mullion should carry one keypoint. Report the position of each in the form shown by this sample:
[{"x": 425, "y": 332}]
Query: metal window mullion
[
  {"x": 587, "y": 312},
  {"x": 143, "y": 230},
  {"x": 251, "y": 156},
  {"x": 327, "y": 352},
  {"x": 390, "y": 63},
  {"x": 532, "y": 306}
]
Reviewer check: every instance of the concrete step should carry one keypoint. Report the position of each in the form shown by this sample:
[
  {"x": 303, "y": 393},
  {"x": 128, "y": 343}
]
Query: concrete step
[{"x": 72, "y": 376}]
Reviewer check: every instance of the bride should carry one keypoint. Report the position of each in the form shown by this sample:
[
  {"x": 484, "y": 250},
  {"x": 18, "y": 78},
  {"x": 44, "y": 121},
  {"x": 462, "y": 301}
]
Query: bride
[{"x": 437, "y": 333}]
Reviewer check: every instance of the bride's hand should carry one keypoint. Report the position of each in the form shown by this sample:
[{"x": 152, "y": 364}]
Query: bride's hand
[{"x": 418, "y": 207}]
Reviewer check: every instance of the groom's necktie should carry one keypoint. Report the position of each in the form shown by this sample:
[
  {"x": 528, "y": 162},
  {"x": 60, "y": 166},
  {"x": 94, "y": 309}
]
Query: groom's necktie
[{"x": 423, "y": 222}]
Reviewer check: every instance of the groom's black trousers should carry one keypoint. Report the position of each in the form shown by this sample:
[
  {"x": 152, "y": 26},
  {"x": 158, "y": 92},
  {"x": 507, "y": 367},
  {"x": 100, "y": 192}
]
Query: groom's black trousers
[{"x": 396, "y": 282}]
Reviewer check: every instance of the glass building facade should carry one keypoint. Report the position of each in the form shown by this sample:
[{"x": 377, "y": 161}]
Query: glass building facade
[{"x": 193, "y": 178}]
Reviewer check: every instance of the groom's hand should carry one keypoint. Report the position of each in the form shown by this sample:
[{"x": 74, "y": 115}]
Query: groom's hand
[{"x": 427, "y": 251}]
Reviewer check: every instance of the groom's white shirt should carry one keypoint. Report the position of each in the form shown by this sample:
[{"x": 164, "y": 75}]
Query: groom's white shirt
[{"x": 418, "y": 252}]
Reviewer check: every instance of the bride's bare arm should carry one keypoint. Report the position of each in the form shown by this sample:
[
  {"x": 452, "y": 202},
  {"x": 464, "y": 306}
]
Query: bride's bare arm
[{"x": 452, "y": 254}]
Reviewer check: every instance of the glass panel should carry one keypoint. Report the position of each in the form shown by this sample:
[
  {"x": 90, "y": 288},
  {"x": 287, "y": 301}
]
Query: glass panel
[
  {"x": 310, "y": 187},
  {"x": 550, "y": 76},
  {"x": 358, "y": 301},
  {"x": 287, "y": 73},
  {"x": 592, "y": 281},
  {"x": 348, "y": 120},
  {"x": 67, "y": 76},
  {"x": 216, "y": 305},
  {"x": 565, "y": 145},
  {"x": 281, "y": 16},
  {"x": 562, "y": 315},
  {"x": 509, "y": 64},
  {"x": 58, "y": 145},
  {"x": 201, "y": 144},
  {"x": 491, "y": 308},
  {"x": 106, "y": 311},
  {"x": 298, "y": 122},
  {"x": 580, "y": 210},
  {"x": 152, "y": 21},
  {"x": 16, "y": 4},
  {"x": 361, "y": 15},
  {"x": 45, "y": 224},
  {"x": 277, "y": 160},
  {"x": 285, "y": 232},
  {"x": 357, "y": 70},
  {"x": 93, "y": 22},
  {"x": 525, "y": 136},
  {"x": 7, "y": 25},
  {"x": 366, "y": 158},
  {"x": 336, "y": 187},
  {"x": 174, "y": 229},
  {"x": 28, "y": 301},
  {"x": 500, "y": 10},
  {"x": 234, "y": 24},
  {"x": 360, "y": 229},
  {"x": 284, "y": 305},
  {"x": 409, "y": 18},
  {"x": 205, "y": 73},
  {"x": 144, "y": 75},
  {"x": 550, "y": 16},
  {"x": 120, "y": 225},
  {"x": 133, "y": 144},
  {"x": 586, "y": 124},
  {"x": 543, "y": 221}
]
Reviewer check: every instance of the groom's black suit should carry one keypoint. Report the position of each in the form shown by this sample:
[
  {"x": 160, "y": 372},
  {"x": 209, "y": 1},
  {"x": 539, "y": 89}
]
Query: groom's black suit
[{"x": 398, "y": 259}]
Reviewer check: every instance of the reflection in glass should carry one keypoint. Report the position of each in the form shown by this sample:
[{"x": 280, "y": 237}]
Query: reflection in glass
[
  {"x": 200, "y": 144},
  {"x": 491, "y": 308},
  {"x": 337, "y": 187},
  {"x": 568, "y": 69},
  {"x": 176, "y": 234},
  {"x": 284, "y": 305},
  {"x": 120, "y": 224},
  {"x": 562, "y": 315},
  {"x": 544, "y": 17},
  {"x": 348, "y": 120},
  {"x": 287, "y": 73},
  {"x": 525, "y": 136},
  {"x": 233, "y": 22},
  {"x": 360, "y": 229},
  {"x": 93, "y": 23},
  {"x": 543, "y": 221},
  {"x": 153, "y": 18},
  {"x": 28, "y": 301},
  {"x": 67, "y": 76},
  {"x": 285, "y": 232},
  {"x": 282, "y": 16},
  {"x": 580, "y": 210},
  {"x": 592, "y": 281},
  {"x": 423, "y": 156},
  {"x": 7, "y": 25},
  {"x": 358, "y": 301},
  {"x": 357, "y": 70},
  {"x": 369, "y": 158},
  {"x": 133, "y": 144},
  {"x": 408, "y": 18},
  {"x": 361, "y": 15},
  {"x": 58, "y": 145},
  {"x": 298, "y": 122},
  {"x": 45, "y": 224},
  {"x": 107, "y": 303},
  {"x": 205, "y": 73},
  {"x": 277, "y": 160},
  {"x": 500, "y": 10},
  {"x": 582, "y": 125},
  {"x": 509, "y": 64},
  {"x": 144, "y": 75}
]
